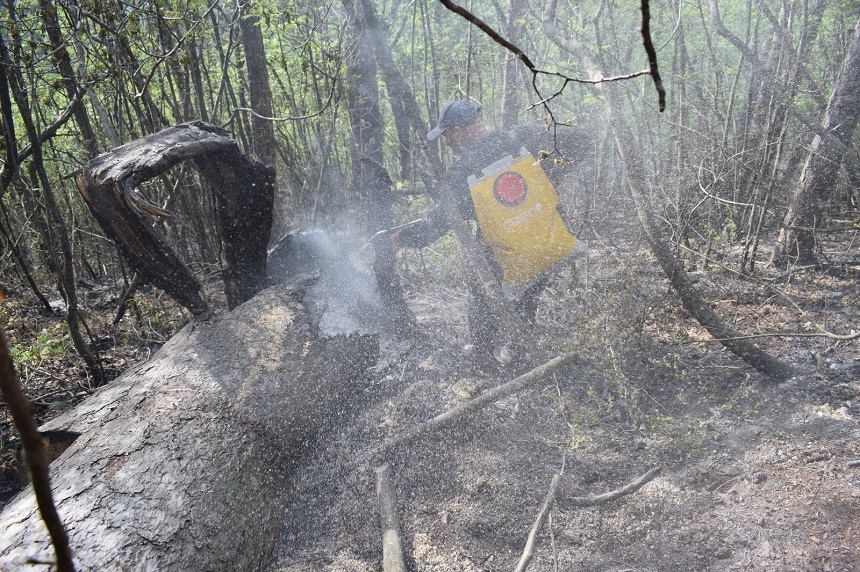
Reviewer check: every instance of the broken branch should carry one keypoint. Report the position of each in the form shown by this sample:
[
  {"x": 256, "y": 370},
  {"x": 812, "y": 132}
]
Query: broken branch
[
  {"x": 526, "y": 558},
  {"x": 821, "y": 334},
  {"x": 454, "y": 415},
  {"x": 627, "y": 489},
  {"x": 392, "y": 550}
]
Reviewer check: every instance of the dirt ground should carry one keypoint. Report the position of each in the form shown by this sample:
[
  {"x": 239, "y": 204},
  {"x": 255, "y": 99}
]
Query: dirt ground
[{"x": 755, "y": 474}]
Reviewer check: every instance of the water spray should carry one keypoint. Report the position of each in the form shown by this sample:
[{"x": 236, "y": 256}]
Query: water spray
[{"x": 386, "y": 231}]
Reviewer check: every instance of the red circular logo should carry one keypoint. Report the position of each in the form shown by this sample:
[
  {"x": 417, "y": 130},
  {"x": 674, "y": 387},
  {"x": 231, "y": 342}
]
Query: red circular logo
[{"x": 510, "y": 189}]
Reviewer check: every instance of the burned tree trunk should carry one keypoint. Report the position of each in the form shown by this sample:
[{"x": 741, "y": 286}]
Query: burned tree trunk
[
  {"x": 634, "y": 171},
  {"x": 369, "y": 175},
  {"x": 244, "y": 191},
  {"x": 796, "y": 240},
  {"x": 182, "y": 463}
]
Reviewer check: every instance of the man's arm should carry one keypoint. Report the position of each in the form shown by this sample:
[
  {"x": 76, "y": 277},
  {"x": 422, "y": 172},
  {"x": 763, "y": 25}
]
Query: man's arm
[
  {"x": 424, "y": 232},
  {"x": 438, "y": 221}
]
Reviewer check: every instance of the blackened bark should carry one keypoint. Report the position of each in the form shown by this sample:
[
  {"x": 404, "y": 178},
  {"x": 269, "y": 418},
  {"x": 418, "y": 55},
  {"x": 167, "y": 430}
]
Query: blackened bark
[
  {"x": 796, "y": 240},
  {"x": 363, "y": 92},
  {"x": 244, "y": 206},
  {"x": 369, "y": 175},
  {"x": 244, "y": 191}
]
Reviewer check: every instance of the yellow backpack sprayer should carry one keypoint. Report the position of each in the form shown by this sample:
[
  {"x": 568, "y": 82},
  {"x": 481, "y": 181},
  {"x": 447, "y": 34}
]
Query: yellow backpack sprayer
[{"x": 516, "y": 206}]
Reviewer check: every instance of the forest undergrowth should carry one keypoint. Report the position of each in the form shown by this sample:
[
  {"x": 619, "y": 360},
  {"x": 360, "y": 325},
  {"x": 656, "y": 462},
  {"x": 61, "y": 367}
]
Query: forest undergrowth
[{"x": 756, "y": 475}]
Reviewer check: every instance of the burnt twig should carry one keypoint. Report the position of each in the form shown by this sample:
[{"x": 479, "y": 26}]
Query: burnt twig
[
  {"x": 627, "y": 489},
  {"x": 456, "y": 414},
  {"x": 556, "y": 482},
  {"x": 652, "y": 55},
  {"x": 544, "y": 511}
]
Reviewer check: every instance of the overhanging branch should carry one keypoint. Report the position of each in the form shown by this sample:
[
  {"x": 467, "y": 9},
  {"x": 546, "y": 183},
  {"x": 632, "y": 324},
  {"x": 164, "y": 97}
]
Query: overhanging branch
[{"x": 652, "y": 70}]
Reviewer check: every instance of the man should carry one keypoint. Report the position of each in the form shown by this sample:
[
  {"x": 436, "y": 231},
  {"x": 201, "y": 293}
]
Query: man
[{"x": 498, "y": 182}]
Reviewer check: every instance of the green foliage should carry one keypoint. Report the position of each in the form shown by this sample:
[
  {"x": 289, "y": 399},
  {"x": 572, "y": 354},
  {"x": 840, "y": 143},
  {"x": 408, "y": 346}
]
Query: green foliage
[
  {"x": 741, "y": 397},
  {"x": 48, "y": 343}
]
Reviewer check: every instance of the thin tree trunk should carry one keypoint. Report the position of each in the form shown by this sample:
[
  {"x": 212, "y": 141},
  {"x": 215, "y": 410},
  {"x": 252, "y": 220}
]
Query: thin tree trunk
[
  {"x": 104, "y": 118},
  {"x": 512, "y": 81},
  {"x": 65, "y": 266},
  {"x": 263, "y": 134},
  {"x": 21, "y": 263},
  {"x": 400, "y": 90},
  {"x": 124, "y": 58},
  {"x": 369, "y": 174},
  {"x": 197, "y": 79},
  {"x": 48, "y": 12},
  {"x": 9, "y": 172}
]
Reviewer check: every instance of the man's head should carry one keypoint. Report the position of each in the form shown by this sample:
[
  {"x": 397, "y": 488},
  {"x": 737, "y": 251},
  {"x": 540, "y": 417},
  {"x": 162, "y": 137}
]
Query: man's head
[{"x": 455, "y": 115}]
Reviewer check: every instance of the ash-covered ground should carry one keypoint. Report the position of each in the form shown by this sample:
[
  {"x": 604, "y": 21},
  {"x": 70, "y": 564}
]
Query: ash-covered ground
[{"x": 756, "y": 474}]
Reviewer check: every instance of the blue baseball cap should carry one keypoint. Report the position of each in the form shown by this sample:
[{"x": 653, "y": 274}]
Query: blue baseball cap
[{"x": 455, "y": 114}]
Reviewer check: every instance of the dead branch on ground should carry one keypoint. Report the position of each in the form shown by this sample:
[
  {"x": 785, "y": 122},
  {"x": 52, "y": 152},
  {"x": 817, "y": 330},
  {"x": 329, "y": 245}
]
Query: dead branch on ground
[
  {"x": 456, "y": 414},
  {"x": 554, "y": 486},
  {"x": 820, "y": 334},
  {"x": 392, "y": 549},
  {"x": 526, "y": 558},
  {"x": 627, "y": 489}
]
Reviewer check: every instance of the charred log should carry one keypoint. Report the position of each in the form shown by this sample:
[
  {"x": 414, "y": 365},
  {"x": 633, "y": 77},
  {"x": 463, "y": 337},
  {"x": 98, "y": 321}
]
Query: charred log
[
  {"x": 182, "y": 463},
  {"x": 244, "y": 198}
]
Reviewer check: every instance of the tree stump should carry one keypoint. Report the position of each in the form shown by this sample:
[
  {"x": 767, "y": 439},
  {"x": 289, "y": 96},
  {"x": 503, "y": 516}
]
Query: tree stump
[
  {"x": 244, "y": 200},
  {"x": 183, "y": 462}
]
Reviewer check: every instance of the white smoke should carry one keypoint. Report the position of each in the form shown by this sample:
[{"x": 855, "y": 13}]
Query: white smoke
[{"x": 344, "y": 299}]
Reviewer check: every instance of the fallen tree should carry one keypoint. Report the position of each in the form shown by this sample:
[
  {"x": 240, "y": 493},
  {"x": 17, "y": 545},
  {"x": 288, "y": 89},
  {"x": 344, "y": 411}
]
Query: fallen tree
[{"x": 183, "y": 462}]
